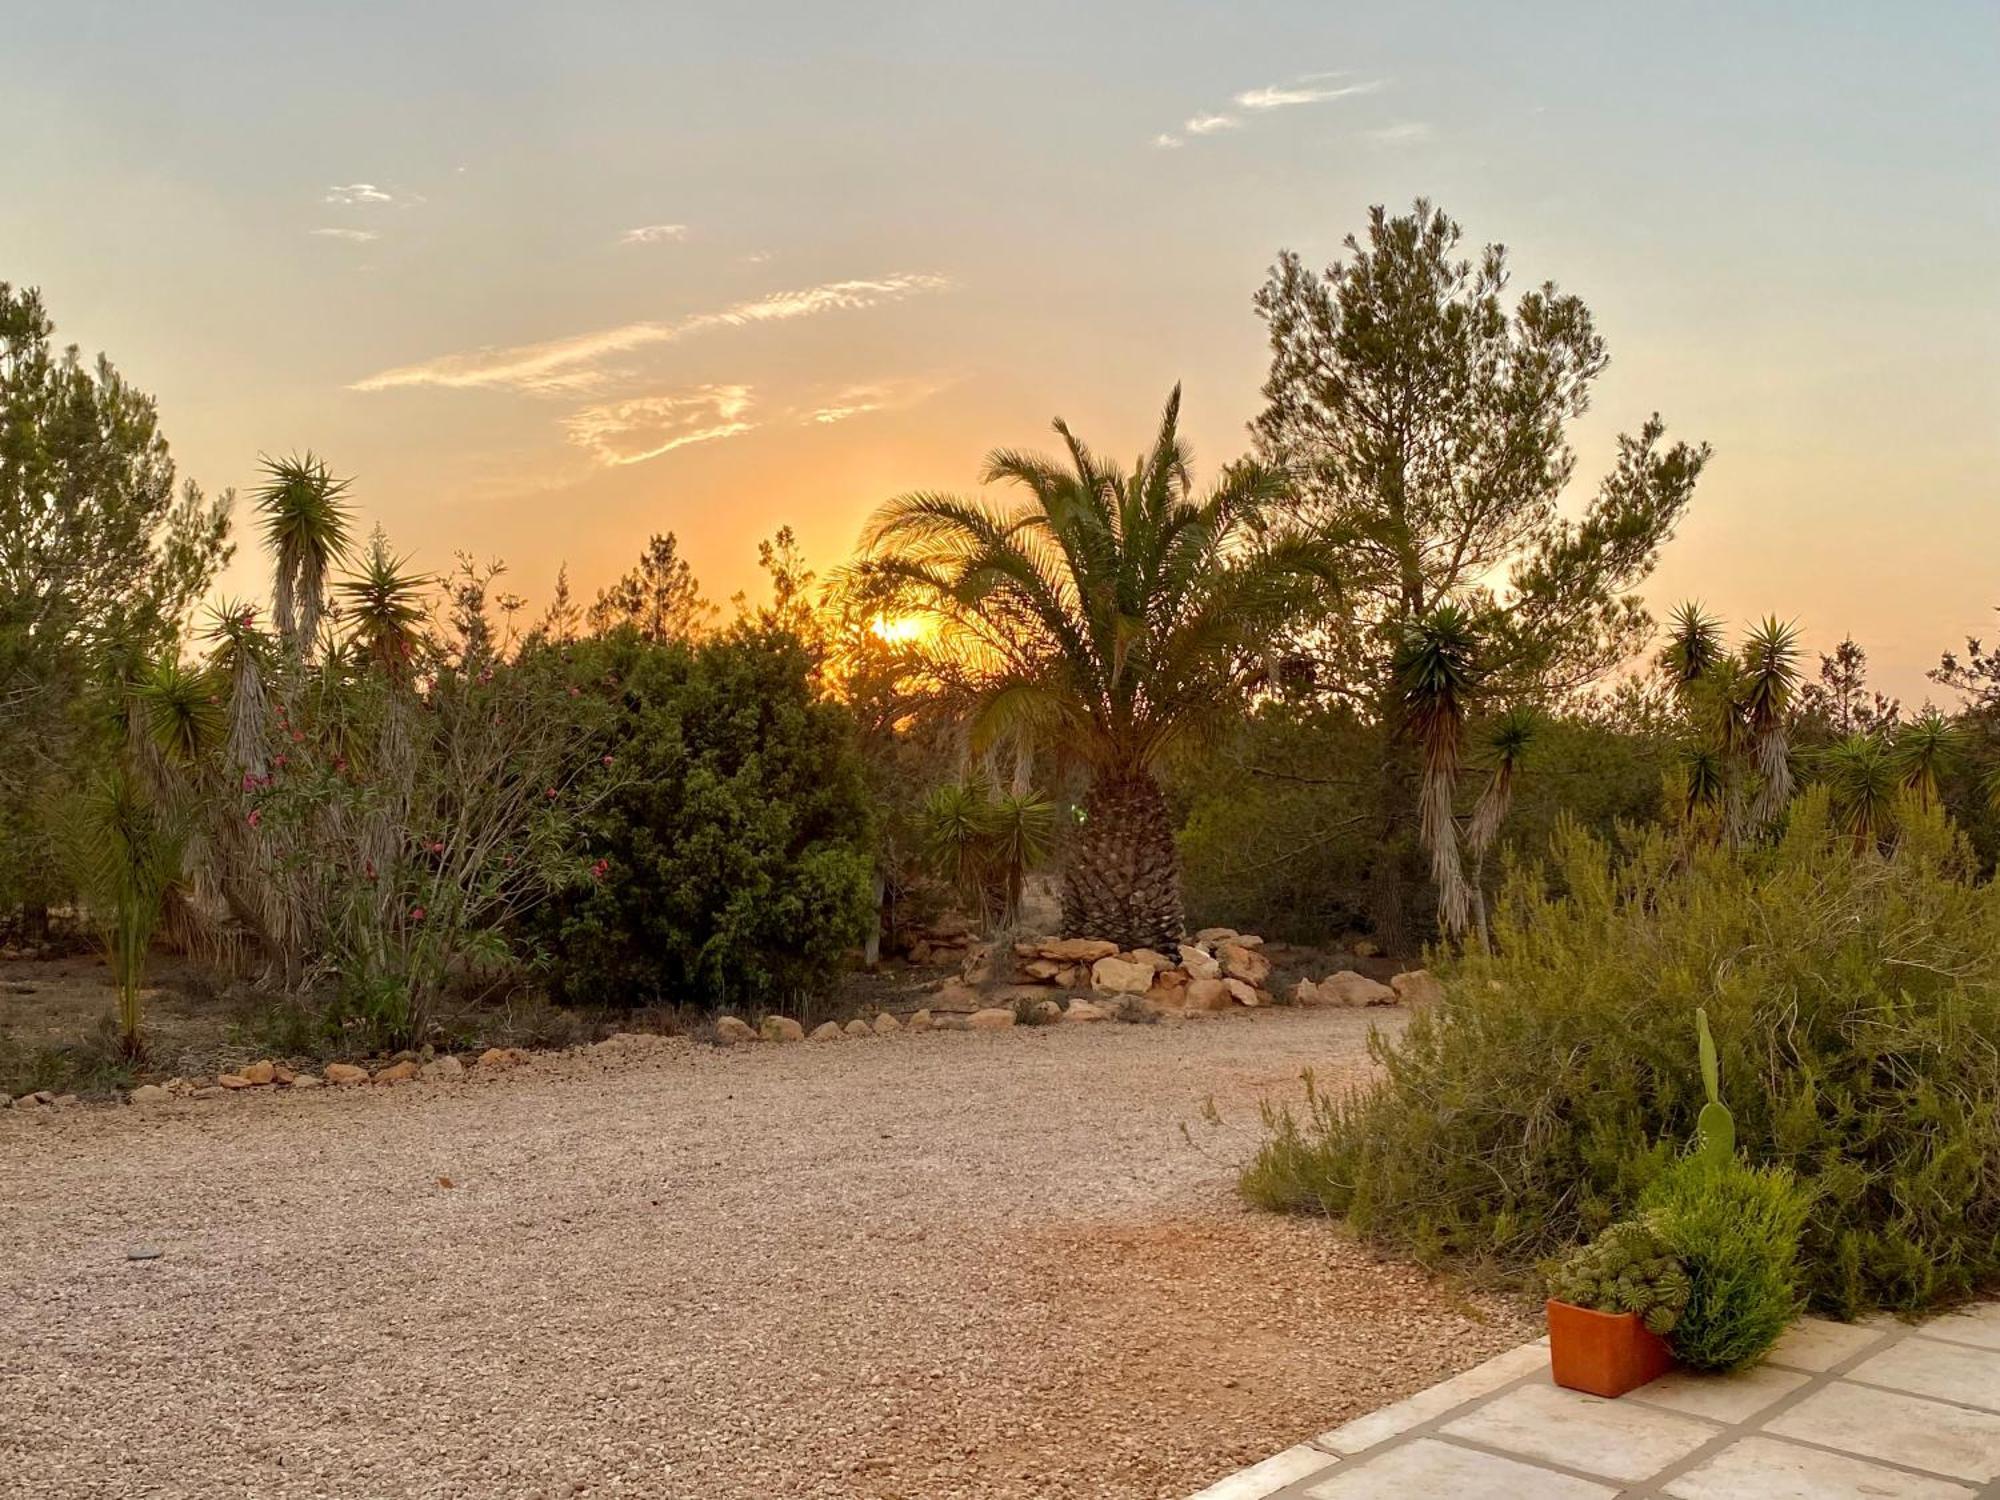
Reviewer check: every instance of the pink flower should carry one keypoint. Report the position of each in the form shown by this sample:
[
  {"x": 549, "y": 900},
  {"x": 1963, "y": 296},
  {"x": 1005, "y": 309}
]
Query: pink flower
[
  {"x": 599, "y": 870},
  {"x": 576, "y": 692},
  {"x": 368, "y": 868},
  {"x": 607, "y": 760},
  {"x": 256, "y": 817},
  {"x": 340, "y": 763},
  {"x": 552, "y": 794},
  {"x": 249, "y": 781},
  {"x": 280, "y": 761},
  {"x": 416, "y": 914},
  {"x": 436, "y": 846}
]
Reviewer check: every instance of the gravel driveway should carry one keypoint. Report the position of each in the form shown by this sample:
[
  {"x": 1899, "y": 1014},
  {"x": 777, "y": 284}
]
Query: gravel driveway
[{"x": 916, "y": 1267}]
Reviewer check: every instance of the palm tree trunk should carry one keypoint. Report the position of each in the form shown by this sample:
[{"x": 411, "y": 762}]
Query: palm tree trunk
[{"x": 1122, "y": 881}]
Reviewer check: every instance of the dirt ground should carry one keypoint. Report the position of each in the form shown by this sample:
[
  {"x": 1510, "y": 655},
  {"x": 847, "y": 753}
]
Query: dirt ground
[{"x": 911, "y": 1268}]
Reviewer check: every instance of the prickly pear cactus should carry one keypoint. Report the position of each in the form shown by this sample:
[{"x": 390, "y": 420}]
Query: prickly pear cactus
[
  {"x": 1715, "y": 1130},
  {"x": 1628, "y": 1268}
]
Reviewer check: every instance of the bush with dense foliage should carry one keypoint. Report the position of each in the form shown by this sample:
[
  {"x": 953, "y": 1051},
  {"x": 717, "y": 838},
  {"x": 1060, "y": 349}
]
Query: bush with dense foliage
[
  {"x": 1855, "y": 1002},
  {"x": 736, "y": 852},
  {"x": 1735, "y": 1231}
]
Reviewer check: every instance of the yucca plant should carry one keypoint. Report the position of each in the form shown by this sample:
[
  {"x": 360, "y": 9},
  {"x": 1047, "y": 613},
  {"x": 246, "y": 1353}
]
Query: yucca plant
[
  {"x": 385, "y": 608},
  {"x": 1770, "y": 678},
  {"x": 1863, "y": 780},
  {"x": 1116, "y": 614},
  {"x": 1923, "y": 748},
  {"x": 1436, "y": 676},
  {"x": 305, "y": 524},
  {"x": 1507, "y": 744},
  {"x": 122, "y": 852}
]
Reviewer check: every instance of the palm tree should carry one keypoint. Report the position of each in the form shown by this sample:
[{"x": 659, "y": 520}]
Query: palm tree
[
  {"x": 1117, "y": 614},
  {"x": 1435, "y": 677},
  {"x": 305, "y": 526},
  {"x": 1922, "y": 749},
  {"x": 1739, "y": 708},
  {"x": 1862, "y": 781}
]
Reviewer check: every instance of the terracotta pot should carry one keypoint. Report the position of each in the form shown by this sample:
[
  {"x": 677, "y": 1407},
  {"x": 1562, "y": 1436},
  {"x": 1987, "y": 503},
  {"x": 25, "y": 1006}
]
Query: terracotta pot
[{"x": 1606, "y": 1354}]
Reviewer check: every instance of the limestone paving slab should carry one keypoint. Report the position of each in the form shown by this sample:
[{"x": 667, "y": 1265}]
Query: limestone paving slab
[
  {"x": 1262, "y": 1480},
  {"x": 1618, "y": 1439},
  {"x": 1953, "y": 1441},
  {"x": 1975, "y": 1325},
  {"x": 1722, "y": 1398},
  {"x": 1434, "y": 1470},
  {"x": 1817, "y": 1344},
  {"x": 1927, "y": 1367},
  {"x": 1762, "y": 1468},
  {"x": 1879, "y": 1410},
  {"x": 1364, "y": 1433}
]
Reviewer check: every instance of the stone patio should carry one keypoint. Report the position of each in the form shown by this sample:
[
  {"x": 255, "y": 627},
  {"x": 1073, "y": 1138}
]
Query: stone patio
[{"x": 1869, "y": 1411}]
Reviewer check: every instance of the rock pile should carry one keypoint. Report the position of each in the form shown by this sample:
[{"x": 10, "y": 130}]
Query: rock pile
[{"x": 946, "y": 941}]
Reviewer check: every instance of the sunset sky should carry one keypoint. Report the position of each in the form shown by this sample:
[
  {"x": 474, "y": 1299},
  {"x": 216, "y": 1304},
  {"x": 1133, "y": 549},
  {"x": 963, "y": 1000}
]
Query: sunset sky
[{"x": 547, "y": 278}]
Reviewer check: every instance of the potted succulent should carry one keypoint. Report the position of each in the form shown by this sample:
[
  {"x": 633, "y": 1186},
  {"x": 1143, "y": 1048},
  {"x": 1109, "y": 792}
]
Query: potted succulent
[{"x": 1611, "y": 1306}]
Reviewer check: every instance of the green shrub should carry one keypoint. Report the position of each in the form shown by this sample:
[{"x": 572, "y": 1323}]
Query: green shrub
[
  {"x": 1855, "y": 1005},
  {"x": 735, "y": 853},
  {"x": 1736, "y": 1230},
  {"x": 1627, "y": 1269}
]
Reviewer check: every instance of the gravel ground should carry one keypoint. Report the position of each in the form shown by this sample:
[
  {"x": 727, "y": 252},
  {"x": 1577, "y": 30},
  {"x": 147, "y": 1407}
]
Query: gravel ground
[{"x": 920, "y": 1267}]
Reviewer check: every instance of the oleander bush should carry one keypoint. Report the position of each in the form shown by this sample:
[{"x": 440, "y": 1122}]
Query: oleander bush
[
  {"x": 733, "y": 861},
  {"x": 1854, "y": 998}
]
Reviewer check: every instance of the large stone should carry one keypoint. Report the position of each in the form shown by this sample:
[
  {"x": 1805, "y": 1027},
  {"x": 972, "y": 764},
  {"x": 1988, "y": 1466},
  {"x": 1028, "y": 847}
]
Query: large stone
[
  {"x": 1073, "y": 950},
  {"x": 261, "y": 1073},
  {"x": 920, "y": 1020},
  {"x": 1246, "y": 964},
  {"x": 446, "y": 1068},
  {"x": 150, "y": 1093},
  {"x": 858, "y": 1028},
  {"x": 1044, "y": 968},
  {"x": 282, "y": 1074},
  {"x": 1045, "y": 1013},
  {"x": 1305, "y": 992},
  {"x": 1241, "y": 991},
  {"x": 887, "y": 1025},
  {"x": 781, "y": 1029},
  {"x": 307, "y": 1081},
  {"x": 993, "y": 1019},
  {"x": 1207, "y": 994},
  {"x": 1417, "y": 987},
  {"x": 1160, "y": 962},
  {"x": 401, "y": 1072},
  {"x": 959, "y": 997},
  {"x": 1215, "y": 934},
  {"x": 1350, "y": 988},
  {"x": 826, "y": 1031},
  {"x": 504, "y": 1057},
  {"x": 346, "y": 1075},
  {"x": 233, "y": 1081},
  {"x": 1168, "y": 988},
  {"x": 1247, "y": 940},
  {"x": 1082, "y": 1011},
  {"x": 1199, "y": 962},
  {"x": 733, "y": 1030},
  {"x": 1117, "y": 976}
]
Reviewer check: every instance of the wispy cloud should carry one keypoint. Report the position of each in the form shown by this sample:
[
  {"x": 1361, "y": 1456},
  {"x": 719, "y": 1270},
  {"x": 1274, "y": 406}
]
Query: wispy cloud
[
  {"x": 1307, "y": 88},
  {"x": 1209, "y": 124},
  {"x": 355, "y": 194},
  {"x": 1302, "y": 91},
  {"x": 1409, "y": 133},
  {"x": 654, "y": 234},
  {"x": 861, "y": 400},
  {"x": 574, "y": 363},
  {"x": 631, "y": 432},
  {"x": 352, "y": 236}
]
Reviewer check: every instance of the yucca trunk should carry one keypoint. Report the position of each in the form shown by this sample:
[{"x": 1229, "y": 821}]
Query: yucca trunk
[{"x": 1122, "y": 881}]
